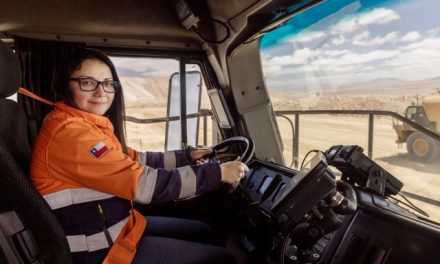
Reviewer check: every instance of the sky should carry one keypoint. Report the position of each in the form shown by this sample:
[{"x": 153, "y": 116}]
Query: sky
[
  {"x": 349, "y": 41},
  {"x": 339, "y": 42}
]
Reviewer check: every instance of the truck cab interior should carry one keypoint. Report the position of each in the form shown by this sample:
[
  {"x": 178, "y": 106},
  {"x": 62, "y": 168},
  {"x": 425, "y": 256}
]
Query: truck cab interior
[{"x": 341, "y": 205}]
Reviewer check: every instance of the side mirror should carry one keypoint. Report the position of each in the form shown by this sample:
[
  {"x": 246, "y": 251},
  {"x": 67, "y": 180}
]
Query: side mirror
[{"x": 173, "y": 138}]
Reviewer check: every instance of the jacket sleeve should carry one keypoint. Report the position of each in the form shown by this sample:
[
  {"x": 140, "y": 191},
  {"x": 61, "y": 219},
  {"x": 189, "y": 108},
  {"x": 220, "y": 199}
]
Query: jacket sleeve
[
  {"x": 167, "y": 159},
  {"x": 80, "y": 154}
]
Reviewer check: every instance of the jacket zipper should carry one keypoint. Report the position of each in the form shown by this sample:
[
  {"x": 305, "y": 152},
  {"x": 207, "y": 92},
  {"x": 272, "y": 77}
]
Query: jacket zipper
[{"x": 104, "y": 221}]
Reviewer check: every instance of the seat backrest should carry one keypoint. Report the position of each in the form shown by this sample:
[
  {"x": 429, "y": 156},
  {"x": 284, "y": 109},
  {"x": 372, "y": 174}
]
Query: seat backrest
[
  {"x": 12, "y": 128},
  {"x": 17, "y": 194}
]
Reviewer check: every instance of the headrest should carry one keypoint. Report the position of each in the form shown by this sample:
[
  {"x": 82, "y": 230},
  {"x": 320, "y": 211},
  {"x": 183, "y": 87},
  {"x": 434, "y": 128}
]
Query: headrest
[{"x": 10, "y": 72}]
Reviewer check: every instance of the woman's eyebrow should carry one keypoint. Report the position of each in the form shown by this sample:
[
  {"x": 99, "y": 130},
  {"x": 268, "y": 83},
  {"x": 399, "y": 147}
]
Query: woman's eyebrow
[
  {"x": 85, "y": 76},
  {"x": 90, "y": 77}
]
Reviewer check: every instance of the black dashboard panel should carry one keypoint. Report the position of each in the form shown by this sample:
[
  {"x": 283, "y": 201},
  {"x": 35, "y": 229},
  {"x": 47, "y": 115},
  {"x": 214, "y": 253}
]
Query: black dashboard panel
[
  {"x": 382, "y": 232},
  {"x": 282, "y": 192},
  {"x": 378, "y": 232},
  {"x": 265, "y": 182}
]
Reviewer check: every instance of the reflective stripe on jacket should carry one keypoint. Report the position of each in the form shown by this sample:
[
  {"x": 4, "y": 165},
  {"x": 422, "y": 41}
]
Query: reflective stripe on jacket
[{"x": 78, "y": 166}]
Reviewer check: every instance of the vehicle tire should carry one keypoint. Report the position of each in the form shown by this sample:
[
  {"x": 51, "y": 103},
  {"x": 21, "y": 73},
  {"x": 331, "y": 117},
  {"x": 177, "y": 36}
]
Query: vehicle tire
[{"x": 422, "y": 147}]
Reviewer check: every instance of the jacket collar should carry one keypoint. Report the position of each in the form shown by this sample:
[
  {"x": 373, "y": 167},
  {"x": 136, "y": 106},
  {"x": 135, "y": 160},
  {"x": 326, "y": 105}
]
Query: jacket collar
[{"x": 101, "y": 121}]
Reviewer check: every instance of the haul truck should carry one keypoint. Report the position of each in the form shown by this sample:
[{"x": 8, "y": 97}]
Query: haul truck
[{"x": 420, "y": 146}]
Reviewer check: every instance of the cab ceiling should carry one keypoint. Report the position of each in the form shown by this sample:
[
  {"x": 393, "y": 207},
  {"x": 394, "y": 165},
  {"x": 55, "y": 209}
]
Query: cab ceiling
[{"x": 108, "y": 20}]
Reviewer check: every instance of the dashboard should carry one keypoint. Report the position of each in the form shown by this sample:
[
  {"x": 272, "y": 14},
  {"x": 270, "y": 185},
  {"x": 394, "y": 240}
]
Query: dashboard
[
  {"x": 282, "y": 202},
  {"x": 309, "y": 216}
]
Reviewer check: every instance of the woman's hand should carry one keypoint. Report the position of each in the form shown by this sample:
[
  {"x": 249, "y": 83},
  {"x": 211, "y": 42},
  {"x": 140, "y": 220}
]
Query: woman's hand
[
  {"x": 233, "y": 171},
  {"x": 198, "y": 154}
]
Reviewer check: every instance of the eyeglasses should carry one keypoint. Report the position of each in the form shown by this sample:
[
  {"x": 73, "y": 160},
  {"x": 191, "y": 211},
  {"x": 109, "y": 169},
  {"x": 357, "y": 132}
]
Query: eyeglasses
[{"x": 88, "y": 84}]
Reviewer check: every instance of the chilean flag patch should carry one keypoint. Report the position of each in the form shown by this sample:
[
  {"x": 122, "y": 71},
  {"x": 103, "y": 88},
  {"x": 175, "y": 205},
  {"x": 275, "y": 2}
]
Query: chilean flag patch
[{"x": 99, "y": 150}]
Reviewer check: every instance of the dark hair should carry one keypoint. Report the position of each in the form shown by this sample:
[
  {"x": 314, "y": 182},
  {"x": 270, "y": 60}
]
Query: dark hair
[{"x": 60, "y": 85}]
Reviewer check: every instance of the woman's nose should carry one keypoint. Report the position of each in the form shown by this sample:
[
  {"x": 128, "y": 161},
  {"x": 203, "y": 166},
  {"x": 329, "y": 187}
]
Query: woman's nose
[{"x": 99, "y": 90}]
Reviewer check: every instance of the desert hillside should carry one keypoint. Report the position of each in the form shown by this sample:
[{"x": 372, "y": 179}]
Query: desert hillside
[
  {"x": 151, "y": 90},
  {"x": 141, "y": 92},
  {"x": 384, "y": 94}
]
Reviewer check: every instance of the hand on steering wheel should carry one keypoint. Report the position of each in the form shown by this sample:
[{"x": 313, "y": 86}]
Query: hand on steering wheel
[
  {"x": 233, "y": 170},
  {"x": 233, "y": 167},
  {"x": 201, "y": 156},
  {"x": 222, "y": 153}
]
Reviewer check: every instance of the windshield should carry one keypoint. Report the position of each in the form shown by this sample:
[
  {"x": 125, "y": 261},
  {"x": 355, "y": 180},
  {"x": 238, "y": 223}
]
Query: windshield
[{"x": 362, "y": 55}]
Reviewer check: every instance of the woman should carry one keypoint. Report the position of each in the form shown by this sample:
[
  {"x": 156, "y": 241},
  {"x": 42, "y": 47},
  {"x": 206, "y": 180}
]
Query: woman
[{"x": 83, "y": 169}]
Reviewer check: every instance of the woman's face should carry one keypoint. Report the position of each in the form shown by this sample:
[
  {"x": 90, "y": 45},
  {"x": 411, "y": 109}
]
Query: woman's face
[{"x": 98, "y": 101}]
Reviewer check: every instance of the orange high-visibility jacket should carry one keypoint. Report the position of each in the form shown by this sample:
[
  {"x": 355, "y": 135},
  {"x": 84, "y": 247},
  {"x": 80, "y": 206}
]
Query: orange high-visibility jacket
[{"x": 77, "y": 159}]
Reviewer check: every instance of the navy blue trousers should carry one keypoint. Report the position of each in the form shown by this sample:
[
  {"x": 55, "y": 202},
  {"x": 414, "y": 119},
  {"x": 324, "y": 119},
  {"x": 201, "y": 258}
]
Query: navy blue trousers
[{"x": 178, "y": 241}]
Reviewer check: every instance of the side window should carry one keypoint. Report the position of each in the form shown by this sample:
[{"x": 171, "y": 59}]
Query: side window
[
  {"x": 149, "y": 86},
  {"x": 410, "y": 112}
]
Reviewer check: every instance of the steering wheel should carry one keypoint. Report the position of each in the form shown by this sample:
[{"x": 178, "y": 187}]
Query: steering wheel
[{"x": 222, "y": 151}]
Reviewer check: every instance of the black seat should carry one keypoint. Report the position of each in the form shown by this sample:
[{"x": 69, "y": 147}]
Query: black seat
[{"x": 17, "y": 194}]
